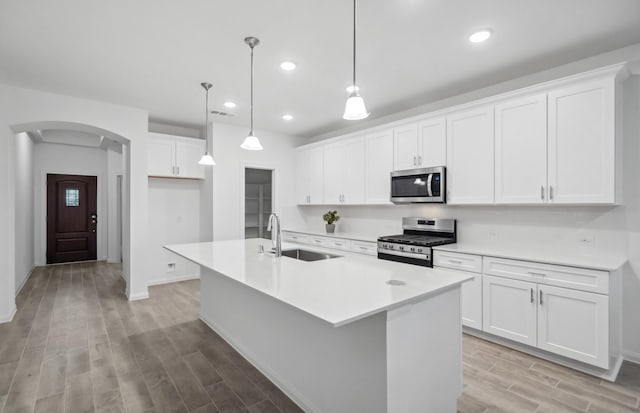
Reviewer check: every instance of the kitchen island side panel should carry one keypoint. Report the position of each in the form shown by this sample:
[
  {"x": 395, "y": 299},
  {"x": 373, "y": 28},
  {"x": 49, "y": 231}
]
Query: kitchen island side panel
[{"x": 320, "y": 367}]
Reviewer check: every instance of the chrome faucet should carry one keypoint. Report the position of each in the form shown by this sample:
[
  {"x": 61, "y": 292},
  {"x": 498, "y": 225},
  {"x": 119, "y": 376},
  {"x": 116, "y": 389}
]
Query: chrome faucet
[{"x": 278, "y": 242}]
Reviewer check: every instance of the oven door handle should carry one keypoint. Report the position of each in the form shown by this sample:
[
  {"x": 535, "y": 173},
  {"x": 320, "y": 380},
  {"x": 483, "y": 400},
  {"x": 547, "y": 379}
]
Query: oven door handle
[
  {"x": 422, "y": 256},
  {"x": 429, "y": 191}
]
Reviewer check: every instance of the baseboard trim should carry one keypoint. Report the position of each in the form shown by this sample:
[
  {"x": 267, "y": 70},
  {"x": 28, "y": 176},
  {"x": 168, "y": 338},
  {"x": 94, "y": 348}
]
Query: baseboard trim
[
  {"x": 7, "y": 318},
  {"x": 631, "y": 356},
  {"x": 138, "y": 296},
  {"x": 24, "y": 282},
  {"x": 609, "y": 375},
  {"x": 173, "y": 280}
]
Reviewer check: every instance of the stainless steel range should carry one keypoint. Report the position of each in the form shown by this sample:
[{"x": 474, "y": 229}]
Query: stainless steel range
[{"x": 413, "y": 246}]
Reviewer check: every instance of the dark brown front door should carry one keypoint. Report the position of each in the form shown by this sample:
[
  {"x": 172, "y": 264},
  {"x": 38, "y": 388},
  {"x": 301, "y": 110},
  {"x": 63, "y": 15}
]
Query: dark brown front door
[{"x": 71, "y": 218}]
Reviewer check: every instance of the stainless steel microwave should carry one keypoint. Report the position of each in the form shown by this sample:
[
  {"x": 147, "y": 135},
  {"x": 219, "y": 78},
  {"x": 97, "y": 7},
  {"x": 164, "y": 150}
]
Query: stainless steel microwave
[{"x": 413, "y": 186}]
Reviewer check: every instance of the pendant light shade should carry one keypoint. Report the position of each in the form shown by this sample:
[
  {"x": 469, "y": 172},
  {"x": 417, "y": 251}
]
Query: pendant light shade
[
  {"x": 206, "y": 159},
  {"x": 251, "y": 142},
  {"x": 355, "y": 108}
]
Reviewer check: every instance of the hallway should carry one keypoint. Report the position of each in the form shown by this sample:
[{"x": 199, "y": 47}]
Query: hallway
[{"x": 77, "y": 345}]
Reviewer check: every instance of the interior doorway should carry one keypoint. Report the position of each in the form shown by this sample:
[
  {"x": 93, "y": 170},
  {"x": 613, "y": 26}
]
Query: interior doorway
[
  {"x": 71, "y": 218},
  {"x": 258, "y": 202}
]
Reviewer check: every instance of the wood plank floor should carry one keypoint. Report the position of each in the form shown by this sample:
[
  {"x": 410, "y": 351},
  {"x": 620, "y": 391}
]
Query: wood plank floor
[{"x": 77, "y": 345}]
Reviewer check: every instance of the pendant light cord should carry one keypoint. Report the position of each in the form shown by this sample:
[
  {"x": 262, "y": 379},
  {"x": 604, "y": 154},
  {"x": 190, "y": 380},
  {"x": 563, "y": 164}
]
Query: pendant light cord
[
  {"x": 251, "y": 107},
  {"x": 354, "y": 45},
  {"x": 206, "y": 124}
]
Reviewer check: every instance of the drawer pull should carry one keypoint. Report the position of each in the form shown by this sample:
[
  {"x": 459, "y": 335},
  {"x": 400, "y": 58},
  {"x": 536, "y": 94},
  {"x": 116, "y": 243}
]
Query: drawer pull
[
  {"x": 455, "y": 262},
  {"x": 539, "y": 274},
  {"x": 364, "y": 248},
  {"x": 337, "y": 244},
  {"x": 317, "y": 240}
]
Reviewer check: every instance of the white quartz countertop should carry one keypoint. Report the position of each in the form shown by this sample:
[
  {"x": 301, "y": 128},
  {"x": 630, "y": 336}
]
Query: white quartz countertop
[
  {"x": 591, "y": 258},
  {"x": 343, "y": 235},
  {"x": 338, "y": 291}
]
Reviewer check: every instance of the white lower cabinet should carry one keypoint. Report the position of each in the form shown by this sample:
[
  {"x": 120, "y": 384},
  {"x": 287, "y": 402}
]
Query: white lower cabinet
[
  {"x": 472, "y": 302},
  {"x": 574, "y": 324},
  {"x": 509, "y": 309},
  {"x": 529, "y": 307},
  {"x": 471, "y": 294}
]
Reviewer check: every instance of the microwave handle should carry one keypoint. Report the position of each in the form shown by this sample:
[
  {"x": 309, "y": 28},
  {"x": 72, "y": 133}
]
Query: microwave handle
[{"x": 429, "y": 178}]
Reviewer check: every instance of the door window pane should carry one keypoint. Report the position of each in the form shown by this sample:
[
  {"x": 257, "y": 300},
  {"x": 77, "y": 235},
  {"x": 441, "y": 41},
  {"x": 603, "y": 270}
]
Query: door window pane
[{"x": 72, "y": 197}]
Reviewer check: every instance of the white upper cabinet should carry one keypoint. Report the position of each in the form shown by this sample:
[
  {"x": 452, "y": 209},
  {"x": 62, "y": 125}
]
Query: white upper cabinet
[
  {"x": 188, "y": 154},
  {"x": 161, "y": 154},
  {"x": 432, "y": 142},
  {"x": 582, "y": 143},
  {"x": 309, "y": 175},
  {"x": 354, "y": 172},
  {"x": 174, "y": 156},
  {"x": 420, "y": 145},
  {"x": 521, "y": 151},
  {"x": 470, "y": 169},
  {"x": 405, "y": 142},
  {"x": 378, "y": 167},
  {"x": 344, "y": 171}
]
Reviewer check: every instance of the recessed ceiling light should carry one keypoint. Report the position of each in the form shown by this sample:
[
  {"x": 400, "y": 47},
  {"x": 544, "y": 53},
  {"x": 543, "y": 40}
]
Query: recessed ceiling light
[
  {"x": 287, "y": 117},
  {"x": 229, "y": 105},
  {"x": 480, "y": 36},
  {"x": 287, "y": 65},
  {"x": 352, "y": 88}
]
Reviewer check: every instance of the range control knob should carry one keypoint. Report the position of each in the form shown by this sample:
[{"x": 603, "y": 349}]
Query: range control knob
[
  {"x": 420, "y": 250},
  {"x": 401, "y": 248},
  {"x": 413, "y": 249}
]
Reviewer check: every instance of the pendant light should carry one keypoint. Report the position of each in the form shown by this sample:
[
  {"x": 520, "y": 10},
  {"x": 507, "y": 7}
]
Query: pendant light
[
  {"x": 251, "y": 142},
  {"x": 355, "y": 109},
  {"x": 206, "y": 159}
]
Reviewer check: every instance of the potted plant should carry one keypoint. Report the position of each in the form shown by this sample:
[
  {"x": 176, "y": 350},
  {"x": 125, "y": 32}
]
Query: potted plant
[{"x": 331, "y": 217}]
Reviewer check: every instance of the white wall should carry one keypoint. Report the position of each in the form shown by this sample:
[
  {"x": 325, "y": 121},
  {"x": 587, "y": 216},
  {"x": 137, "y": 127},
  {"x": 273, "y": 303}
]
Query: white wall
[
  {"x": 174, "y": 218},
  {"x": 21, "y": 109},
  {"x": 631, "y": 185},
  {"x": 114, "y": 169},
  {"x": 68, "y": 160},
  {"x": 228, "y": 174},
  {"x": 24, "y": 250}
]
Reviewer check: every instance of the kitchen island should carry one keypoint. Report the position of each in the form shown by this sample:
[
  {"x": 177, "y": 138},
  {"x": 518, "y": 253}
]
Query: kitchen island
[{"x": 347, "y": 334}]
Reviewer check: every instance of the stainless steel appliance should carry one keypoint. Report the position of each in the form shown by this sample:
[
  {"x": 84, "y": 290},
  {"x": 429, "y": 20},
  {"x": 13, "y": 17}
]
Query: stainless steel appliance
[
  {"x": 419, "y": 185},
  {"x": 413, "y": 246}
]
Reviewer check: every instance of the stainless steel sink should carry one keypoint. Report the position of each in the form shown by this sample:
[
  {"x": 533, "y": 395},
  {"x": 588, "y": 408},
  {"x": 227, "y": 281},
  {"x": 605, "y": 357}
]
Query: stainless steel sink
[{"x": 306, "y": 255}]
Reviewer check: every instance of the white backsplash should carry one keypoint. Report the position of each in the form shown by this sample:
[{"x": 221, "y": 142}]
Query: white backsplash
[{"x": 577, "y": 229}]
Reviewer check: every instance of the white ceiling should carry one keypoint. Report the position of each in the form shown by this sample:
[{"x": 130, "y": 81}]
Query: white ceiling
[{"x": 153, "y": 54}]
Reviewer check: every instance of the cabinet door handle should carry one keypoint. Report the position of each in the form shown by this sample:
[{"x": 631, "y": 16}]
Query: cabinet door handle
[
  {"x": 455, "y": 262},
  {"x": 541, "y": 297},
  {"x": 532, "y": 298},
  {"x": 415, "y": 161},
  {"x": 343, "y": 198},
  {"x": 419, "y": 160},
  {"x": 551, "y": 193},
  {"x": 542, "y": 192},
  {"x": 178, "y": 169}
]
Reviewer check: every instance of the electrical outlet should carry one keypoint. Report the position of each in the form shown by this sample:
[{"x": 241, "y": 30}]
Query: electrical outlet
[{"x": 171, "y": 267}]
